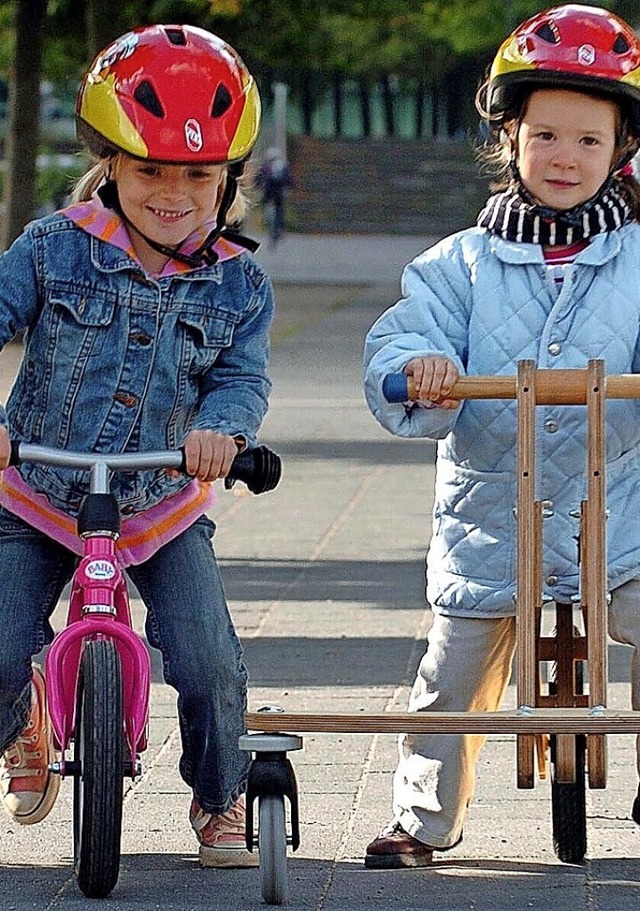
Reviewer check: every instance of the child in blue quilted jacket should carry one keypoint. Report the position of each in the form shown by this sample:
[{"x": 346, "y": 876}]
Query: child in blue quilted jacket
[{"x": 549, "y": 273}]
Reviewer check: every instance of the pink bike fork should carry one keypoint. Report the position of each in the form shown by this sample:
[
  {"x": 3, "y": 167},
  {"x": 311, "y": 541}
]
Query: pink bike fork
[{"x": 98, "y": 609}]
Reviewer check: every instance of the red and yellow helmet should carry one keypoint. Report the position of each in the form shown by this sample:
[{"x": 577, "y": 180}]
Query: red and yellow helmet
[
  {"x": 171, "y": 93},
  {"x": 571, "y": 46}
]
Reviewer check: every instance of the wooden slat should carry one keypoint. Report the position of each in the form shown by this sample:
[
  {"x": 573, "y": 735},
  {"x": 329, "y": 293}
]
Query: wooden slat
[
  {"x": 595, "y": 559},
  {"x": 542, "y": 748},
  {"x": 565, "y": 671},
  {"x": 528, "y": 565},
  {"x": 565, "y": 764},
  {"x": 537, "y": 721},
  {"x": 555, "y": 387},
  {"x": 594, "y": 556},
  {"x": 547, "y": 650}
]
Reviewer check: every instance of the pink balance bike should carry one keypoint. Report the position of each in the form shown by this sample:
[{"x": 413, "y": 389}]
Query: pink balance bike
[{"x": 97, "y": 668}]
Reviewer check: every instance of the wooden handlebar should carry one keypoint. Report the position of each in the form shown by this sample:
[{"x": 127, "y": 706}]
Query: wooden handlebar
[{"x": 553, "y": 387}]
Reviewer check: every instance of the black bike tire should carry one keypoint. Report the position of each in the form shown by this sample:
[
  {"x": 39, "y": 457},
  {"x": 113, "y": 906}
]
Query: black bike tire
[
  {"x": 98, "y": 784},
  {"x": 569, "y": 811}
]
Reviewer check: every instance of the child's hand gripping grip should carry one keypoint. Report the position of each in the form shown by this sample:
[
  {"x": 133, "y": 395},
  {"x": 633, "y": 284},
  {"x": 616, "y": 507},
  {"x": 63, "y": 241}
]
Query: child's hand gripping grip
[
  {"x": 395, "y": 387},
  {"x": 259, "y": 468}
]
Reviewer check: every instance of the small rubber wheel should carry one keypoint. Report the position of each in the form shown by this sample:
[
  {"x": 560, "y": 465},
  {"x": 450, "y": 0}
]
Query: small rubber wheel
[{"x": 272, "y": 844}]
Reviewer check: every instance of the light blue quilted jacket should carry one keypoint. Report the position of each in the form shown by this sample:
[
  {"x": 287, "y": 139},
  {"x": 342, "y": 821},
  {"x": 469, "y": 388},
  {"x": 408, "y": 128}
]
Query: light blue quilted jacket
[{"x": 486, "y": 304}]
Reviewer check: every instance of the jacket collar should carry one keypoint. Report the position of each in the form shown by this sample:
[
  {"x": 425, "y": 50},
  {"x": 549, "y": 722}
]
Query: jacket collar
[
  {"x": 111, "y": 247},
  {"x": 601, "y": 249}
]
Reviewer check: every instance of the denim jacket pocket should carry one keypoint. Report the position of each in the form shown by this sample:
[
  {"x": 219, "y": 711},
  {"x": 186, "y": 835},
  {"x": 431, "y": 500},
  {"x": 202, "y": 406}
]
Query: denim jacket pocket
[
  {"x": 87, "y": 307},
  {"x": 205, "y": 334},
  {"x": 82, "y": 315}
]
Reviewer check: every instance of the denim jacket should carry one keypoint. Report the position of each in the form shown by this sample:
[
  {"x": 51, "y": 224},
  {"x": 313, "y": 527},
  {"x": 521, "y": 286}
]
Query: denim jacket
[{"x": 116, "y": 360}]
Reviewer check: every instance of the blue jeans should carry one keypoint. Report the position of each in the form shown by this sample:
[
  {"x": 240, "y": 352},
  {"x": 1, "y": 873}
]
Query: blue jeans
[{"x": 187, "y": 620}]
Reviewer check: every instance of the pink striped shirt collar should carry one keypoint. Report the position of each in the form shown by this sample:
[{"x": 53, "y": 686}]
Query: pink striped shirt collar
[{"x": 99, "y": 221}]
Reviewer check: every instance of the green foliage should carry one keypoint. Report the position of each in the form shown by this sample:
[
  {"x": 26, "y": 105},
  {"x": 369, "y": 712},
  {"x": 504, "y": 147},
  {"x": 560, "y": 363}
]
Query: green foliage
[
  {"x": 412, "y": 38},
  {"x": 353, "y": 37},
  {"x": 54, "y": 181}
]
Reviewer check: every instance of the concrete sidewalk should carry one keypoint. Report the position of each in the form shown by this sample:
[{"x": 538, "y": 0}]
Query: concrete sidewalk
[
  {"x": 340, "y": 258},
  {"x": 325, "y": 580}
]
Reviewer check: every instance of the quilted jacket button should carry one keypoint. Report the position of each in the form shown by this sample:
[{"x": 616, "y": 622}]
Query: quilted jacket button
[
  {"x": 552, "y": 580},
  {"x": 554, "y": 348},
  {"x": 550, "y": 426}
]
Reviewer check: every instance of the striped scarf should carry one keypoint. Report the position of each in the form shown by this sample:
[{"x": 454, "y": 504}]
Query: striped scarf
[{"x": 514, "y": 215}]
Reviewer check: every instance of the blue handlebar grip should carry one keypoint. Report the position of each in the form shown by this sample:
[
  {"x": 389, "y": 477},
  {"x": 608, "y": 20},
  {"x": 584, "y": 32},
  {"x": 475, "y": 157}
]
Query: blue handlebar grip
[{"x": 395, "y": 387}]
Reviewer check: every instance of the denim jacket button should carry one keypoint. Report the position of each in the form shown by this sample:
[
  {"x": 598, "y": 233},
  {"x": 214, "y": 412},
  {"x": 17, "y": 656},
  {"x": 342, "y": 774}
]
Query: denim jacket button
[
  {"x": 141, "y": 338},
  {"x": 126, "y": 399},
  {"x": 140, "y": 278}
]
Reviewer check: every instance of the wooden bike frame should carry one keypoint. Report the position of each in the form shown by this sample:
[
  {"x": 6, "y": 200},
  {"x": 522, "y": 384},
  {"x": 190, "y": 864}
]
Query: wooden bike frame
[{"x": 567, "y": 712}]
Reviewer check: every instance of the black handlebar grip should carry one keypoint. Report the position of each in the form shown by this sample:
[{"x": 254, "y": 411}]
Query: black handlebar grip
[
  {"x": 260, "y": 469},
  {"x": 15, "y": 453}
]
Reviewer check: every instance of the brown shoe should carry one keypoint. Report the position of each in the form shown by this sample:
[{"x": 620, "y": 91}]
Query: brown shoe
[
  {"x": 28, "y": 789},
  {"x": 394, "y": 848}
]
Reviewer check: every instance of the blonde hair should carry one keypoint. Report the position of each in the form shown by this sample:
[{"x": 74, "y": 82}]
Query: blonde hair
[
  {"x": 496, "y": 153},
  {"x": 100, "y": 171}
]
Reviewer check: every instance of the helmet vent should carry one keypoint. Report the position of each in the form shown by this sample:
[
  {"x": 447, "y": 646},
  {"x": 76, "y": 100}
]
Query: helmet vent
[
  {"x": 548, "y": 33},
  {"x": 145, "y": 94},
  {"x": 221, "y": 102},
  {"x": 621, "y": 45},
  {"x": 176, "y": 36}
]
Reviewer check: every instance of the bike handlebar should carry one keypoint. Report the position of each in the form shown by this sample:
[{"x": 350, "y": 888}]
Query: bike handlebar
[
  {"x": 553, "y": 387},
  {"x": 259, "y": 468}
]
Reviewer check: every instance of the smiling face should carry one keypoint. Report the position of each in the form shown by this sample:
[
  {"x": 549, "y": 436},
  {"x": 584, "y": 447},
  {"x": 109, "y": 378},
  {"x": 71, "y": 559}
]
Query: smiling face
[
  {"x": 565, "y": 146},
  {"x": 165, "y": 202}
]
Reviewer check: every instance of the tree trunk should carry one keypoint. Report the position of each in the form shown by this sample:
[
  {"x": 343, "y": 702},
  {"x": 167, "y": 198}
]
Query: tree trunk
[
  {"x": 435, "y": 109},
  {"x": 365, "y": 107},
  {"x": 419, "y": 98},
  {"x": 388, "y": 99},
  {"x": 102, "y": 25},
  {"x": 307, "y": 103},
  {"x": 337, "y": 104},
  {"x": 24, "y": 118}
]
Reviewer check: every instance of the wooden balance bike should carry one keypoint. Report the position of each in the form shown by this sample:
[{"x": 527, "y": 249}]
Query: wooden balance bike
[{"x": 562, "y": 719}]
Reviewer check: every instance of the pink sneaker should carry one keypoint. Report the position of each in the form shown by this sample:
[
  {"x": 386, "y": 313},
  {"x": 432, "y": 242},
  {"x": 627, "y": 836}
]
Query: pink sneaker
[
  {"x": 222, "y": 838},
  {"x": 28, "y": 790}
]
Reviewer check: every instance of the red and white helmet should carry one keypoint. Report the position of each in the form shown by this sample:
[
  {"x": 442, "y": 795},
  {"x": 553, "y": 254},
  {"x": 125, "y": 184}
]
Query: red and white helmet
[
  {"x": 571, "y": 46},
  {"x": 171, "y": 93}
]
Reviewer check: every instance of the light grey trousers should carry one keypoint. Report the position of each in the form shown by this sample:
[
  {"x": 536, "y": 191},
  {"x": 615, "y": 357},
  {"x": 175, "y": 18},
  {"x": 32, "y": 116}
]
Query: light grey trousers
[{"x": 466, "y": 668}]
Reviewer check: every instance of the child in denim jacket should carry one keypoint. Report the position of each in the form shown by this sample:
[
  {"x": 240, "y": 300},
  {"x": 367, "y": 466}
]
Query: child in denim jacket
[{"x": 146, "y": 328}]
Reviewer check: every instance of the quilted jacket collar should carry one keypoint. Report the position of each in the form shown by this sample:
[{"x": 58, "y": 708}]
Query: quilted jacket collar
[{"x": 603, "y": 247}]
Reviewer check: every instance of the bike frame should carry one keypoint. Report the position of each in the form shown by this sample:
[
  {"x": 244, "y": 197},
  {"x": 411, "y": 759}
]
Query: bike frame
[{"x": 98, "y": 607}]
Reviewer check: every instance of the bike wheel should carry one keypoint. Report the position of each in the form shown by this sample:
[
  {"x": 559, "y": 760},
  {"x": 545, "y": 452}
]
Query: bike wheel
[
  {"x": 568, "y": 810},
  {"x": 98, "y": 785},
  {"x": 272, "y": 844}
]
